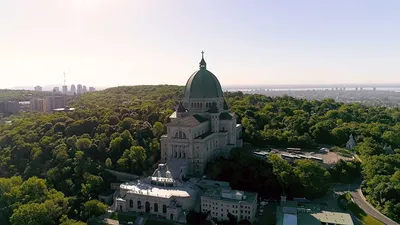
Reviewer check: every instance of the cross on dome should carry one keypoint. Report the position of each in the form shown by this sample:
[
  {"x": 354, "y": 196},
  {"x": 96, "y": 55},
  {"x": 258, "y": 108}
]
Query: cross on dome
[{"x": 203, "y": 63}]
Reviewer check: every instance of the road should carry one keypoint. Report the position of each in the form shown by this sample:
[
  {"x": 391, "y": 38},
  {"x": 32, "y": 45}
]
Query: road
[
  {"x": 369, "y": 209},
  {"x": 360, "y": 200}
]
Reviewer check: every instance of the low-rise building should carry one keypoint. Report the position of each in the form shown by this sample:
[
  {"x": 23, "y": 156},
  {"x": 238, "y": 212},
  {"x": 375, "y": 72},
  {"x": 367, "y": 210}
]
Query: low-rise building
[{"x": 219, "y": 202}]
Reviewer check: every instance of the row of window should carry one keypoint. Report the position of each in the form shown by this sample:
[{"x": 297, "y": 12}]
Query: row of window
[
  {"x": 214, "y": 215},
  {"x": 233, "y": 211},
  {"x": 147, "y": 206}
]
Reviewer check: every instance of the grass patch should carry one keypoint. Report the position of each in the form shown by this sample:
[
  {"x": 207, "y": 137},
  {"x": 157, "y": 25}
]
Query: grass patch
[
  {"x": 346, "y": 202},
  {"x": 114, "y": 216},
  {"x": 361, "y": 215},
  {"x": 342, "y": 151},
  {"x": 124, "y": 217}
]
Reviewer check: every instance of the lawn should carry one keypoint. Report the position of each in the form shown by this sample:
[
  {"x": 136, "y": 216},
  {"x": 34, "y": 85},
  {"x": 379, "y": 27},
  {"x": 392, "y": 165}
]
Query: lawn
[
  {"x": 362, "y": 216},
  {"x": 124, "y": 217},
  {"x": 358, "y": 212}
]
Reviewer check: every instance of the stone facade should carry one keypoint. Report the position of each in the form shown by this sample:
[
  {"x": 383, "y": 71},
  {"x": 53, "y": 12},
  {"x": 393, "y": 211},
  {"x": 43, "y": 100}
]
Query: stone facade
[{"x": 200, "y": 130}]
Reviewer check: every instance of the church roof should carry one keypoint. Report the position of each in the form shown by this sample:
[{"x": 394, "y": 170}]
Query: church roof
[
  {"x": 203, "y": 84},
  {"x": 199, "y": 118},
  {"x": 181, "y": 108},
  {"x": 225, "y": 116},
  {"x": 225, "y": 105},
  {"x": 189, "y": 121}
]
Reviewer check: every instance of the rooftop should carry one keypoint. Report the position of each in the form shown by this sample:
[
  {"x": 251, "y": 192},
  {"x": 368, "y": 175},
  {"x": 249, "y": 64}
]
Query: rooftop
[
  {"x": 324, "y": 217},
  {"x": 227, "y": 194},
  {"x": 206, "y": 134},
  {"x": 140, "y": 188},
  {"x": 310, "y": 214}
]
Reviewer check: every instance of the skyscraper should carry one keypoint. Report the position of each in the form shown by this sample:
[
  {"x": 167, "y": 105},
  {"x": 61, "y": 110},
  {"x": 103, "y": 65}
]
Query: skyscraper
[
  {"x": 84, "y": 89},
  {"x": 38, "y": 88},
  {"x": 73, "y": 89},
  {"x": 37, "y": 104},
  {"x": 92, "y": 89},
  {"x": 64, "y": 89},
  {"x": 79, "y": 89},
  {"x": 56, "y": 89},
  {"x": 54, "y": 102}
]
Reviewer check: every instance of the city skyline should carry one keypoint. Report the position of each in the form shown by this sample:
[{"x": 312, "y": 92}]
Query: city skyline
[{"x": 137, "y": 42}]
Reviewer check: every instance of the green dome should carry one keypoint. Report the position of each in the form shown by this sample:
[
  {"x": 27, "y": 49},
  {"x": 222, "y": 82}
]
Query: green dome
[{"x": 203, "y": 83}]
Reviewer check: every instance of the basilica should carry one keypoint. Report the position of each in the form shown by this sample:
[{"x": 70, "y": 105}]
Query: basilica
[{"x": 201, "y": 129}]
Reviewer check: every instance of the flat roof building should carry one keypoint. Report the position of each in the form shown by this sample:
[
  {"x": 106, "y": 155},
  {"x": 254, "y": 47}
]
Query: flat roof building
[
  {"x": 222, "y": 201},
  {"x": 290, "y": 213}
]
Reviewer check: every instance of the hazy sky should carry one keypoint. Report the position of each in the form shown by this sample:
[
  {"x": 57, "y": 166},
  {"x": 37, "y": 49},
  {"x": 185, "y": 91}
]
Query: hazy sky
[{"x": 118, "y": 42}]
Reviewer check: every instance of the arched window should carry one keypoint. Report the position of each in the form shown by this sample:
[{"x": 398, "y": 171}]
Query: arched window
[
  {"x": 201, "y": 105},
  {"x": 180, "y": 134},
  {"x": 131, "y": 203},
  {"x": 139, "y": 204},
  {"x": 180, "y": 154},
  {"x": 147, "y": 207},
  {"x": 155, "y": 207},
  {"x": 174, "y": 154},
  {"x": 164, "y": 209},
  {"x": 184, "y": 155},
  {"x": 192, "y": 104}
]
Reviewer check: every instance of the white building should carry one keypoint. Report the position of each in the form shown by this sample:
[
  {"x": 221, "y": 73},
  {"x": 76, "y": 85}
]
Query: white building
[
  {"x": 201, "y": 129},
  {"x": 222, "y": 201}
]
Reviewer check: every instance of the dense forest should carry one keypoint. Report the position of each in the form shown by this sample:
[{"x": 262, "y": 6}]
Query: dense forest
[
  {"x": 22, "y": 95},
  {"x": 54, "y": 164}
]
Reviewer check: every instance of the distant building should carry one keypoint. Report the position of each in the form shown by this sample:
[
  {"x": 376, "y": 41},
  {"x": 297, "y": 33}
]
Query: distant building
[
  {"x": 222, "y": 201},
  {"x": 351, "y": 143},
  {"x": 79, "y": 89},
  {"x": 84, "y": 89},
  {"x": 9, "y": 107},
  {"x": 38, "y": 88},
  {"x": 66, "y": 109},
  {"x": 73, "y": 89},
  {"x": 38, "y": 104},
  {"x": 65, "y": 89},
  {"x": 56, "y": 89},
  {"x": 54, "y": 102},
  {"x": 92, "y": 89}
]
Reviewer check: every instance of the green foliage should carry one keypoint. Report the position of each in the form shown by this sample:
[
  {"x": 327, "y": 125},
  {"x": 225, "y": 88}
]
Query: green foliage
[
  {"x": 345, "y": 172},
  {"x": 313, "y": 177},
  {"x": 22, "y": 95},
  {"x": 93, "y": 208},
  {"x": 109, "y": 129},
  {"x": 347, "y": 203}
]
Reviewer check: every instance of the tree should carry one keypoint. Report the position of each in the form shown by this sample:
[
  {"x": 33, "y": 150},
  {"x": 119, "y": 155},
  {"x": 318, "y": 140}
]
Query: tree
[
  {"x": 83, "y": 144},
  {"x": 108, "y": 163},
  {"x": 158, "y": 129},
  {"x": 32, "y": 214},
  {"x": 282, "y": 170},
  {"x": 93, "y": 208},
  {"x": 313, "y": 177}
]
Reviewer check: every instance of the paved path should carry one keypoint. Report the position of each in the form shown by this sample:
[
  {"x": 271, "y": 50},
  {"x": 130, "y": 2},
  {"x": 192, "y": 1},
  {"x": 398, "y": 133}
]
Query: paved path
[{"x": 359, "y": 199}]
